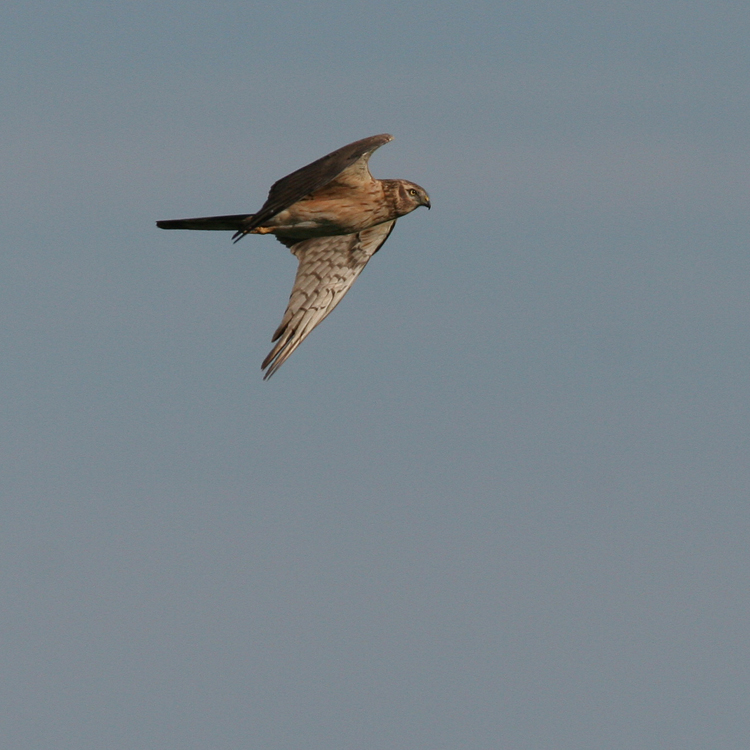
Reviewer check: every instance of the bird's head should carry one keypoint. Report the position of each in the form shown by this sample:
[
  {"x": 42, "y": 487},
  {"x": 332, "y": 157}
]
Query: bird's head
[{"x": 411, "y": 196}]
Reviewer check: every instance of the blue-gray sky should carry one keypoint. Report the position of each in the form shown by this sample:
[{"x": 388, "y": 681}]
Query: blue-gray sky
[{"x": 499, "y": 499}]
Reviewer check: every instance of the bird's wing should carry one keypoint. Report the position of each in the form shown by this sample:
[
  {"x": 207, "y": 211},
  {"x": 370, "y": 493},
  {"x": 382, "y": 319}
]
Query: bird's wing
[
  {"x": 328, "y": 266},
  {"x": 220, "y": 223},
  {"x": 295, "y": 186}
]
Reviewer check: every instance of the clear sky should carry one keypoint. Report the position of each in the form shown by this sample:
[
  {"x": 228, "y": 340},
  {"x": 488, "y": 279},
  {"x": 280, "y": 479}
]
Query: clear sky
[{"x": 499, "y": 500}]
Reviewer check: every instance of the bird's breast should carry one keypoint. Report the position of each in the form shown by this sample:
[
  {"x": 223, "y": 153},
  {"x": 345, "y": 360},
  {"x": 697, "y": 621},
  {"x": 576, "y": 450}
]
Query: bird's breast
[{"x": 325, "y": 214}]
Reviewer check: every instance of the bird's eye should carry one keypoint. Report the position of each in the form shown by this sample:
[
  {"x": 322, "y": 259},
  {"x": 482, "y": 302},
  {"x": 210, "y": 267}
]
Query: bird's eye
[{"x": 412, "y": 191}]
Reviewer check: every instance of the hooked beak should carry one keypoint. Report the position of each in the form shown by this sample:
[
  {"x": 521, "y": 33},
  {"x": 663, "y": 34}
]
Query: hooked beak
[{"x": 426, "y": 202}]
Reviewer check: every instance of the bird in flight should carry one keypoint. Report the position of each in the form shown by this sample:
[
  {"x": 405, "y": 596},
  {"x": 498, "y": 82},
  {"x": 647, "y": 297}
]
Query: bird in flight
[{"x": 334, "y": 216}]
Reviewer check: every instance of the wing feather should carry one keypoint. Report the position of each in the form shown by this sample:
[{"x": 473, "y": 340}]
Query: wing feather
[
  {"x": 328, "y": 266},
  {"x": 295, "y": 186}
]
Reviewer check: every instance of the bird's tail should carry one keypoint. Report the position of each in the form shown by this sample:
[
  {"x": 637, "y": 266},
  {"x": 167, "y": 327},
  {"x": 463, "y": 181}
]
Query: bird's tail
[{"x": 216, "y": 223}]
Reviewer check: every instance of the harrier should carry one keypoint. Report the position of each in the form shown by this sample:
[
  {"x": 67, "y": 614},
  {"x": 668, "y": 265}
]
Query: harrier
[{"x": 334, "y": 216}]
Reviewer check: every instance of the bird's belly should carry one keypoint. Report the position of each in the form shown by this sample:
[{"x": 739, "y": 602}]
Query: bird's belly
[{"x": 322, "y": 218}]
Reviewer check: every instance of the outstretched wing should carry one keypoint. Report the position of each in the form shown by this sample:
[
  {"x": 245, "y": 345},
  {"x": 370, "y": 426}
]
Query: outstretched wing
[
  {"x": 295, "y": 186},
  {"x": 328, "y": 266}
]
